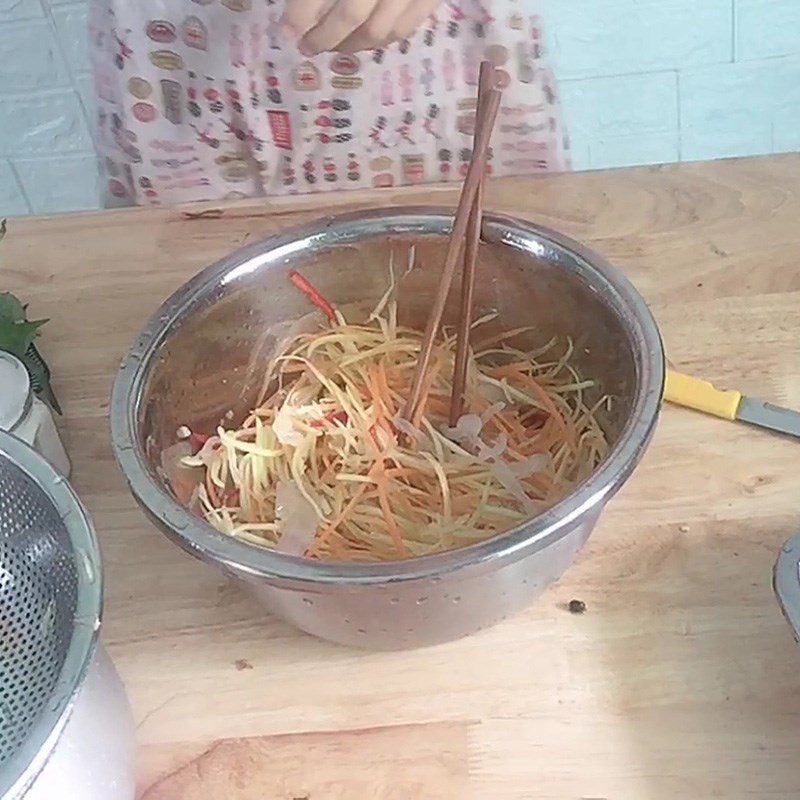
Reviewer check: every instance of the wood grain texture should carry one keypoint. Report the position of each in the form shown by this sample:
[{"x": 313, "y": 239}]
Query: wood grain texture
[
  {"x": 680, "y": 680},
  {"x": 424, "y": 761}
]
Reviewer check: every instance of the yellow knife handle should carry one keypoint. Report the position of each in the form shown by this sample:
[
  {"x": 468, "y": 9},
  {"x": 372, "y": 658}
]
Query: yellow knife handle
[{"x": 684, "y": 390}]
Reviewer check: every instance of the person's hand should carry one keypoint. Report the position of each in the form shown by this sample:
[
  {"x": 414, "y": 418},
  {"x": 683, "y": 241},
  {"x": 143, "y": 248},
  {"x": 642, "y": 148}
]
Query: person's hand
[{"x": 352, "y": 25}]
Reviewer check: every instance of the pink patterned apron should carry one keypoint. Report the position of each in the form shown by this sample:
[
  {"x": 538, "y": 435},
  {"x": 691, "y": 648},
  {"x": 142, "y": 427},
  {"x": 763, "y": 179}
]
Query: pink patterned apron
[{"x": 200, "y": 99}]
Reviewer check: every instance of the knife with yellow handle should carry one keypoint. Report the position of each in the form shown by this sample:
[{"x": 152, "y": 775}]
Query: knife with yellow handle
[{"x": 684, "y": 390}]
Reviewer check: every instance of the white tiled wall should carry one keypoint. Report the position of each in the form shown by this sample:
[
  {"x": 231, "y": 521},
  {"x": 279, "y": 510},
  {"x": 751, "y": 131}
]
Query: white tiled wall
[
  {"x": 643, "y": 81},
  {"x": 648, "y": 81},
  {"x": 46, "y": 161}
]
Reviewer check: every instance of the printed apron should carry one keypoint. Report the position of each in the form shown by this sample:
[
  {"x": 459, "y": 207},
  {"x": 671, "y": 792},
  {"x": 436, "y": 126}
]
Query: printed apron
[{"x": 201, "y": 99}]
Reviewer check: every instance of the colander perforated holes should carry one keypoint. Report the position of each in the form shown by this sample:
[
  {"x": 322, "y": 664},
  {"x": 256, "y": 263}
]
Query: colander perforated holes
[{"x": 38, "y": 596}]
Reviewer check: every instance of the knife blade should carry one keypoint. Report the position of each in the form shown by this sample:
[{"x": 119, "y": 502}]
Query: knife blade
[
  {"x": 685, "y": 390},
  {"x": 767, "y": 415}
]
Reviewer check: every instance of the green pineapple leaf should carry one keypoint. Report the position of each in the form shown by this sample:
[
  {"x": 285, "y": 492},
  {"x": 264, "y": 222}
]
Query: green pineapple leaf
[
  {"x": 11, "y": 310},
  {"x": 17, "y": 337},
  {"x": 17, "y": 334}
]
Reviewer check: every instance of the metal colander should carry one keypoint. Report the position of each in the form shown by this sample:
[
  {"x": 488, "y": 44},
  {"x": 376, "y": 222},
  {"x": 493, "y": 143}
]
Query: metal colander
[{"x": 50, "y": 600}]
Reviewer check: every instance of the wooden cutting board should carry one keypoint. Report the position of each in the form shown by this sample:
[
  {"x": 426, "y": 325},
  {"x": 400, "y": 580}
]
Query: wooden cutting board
[{"x": 680, "y": 681}]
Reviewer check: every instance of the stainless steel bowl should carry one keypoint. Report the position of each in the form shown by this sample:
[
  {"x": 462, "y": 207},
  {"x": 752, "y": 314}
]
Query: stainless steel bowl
[
  {"x": 786, "y": 583},
  {"x": 205, "y": 348}
]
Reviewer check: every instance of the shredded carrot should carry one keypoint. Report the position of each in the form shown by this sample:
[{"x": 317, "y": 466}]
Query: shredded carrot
[
  {"x": 540, "y": 394},
  {"x": 432, "y": 375},
  {"x": 388, "y": 518},
  {"x": 505, "y": 369},
  {"x": 324, "y": 534},
  {"x": 378, "y": 489}
]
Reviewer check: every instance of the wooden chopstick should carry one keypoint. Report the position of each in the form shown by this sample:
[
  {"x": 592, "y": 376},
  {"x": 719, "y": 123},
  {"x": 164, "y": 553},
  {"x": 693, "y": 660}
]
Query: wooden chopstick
[
  {"x": 486, "y": 82},
  {"x": 483, "y": 127}
]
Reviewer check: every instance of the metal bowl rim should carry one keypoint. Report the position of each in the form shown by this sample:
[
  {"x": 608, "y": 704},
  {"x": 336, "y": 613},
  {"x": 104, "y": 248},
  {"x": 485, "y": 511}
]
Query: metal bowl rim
[
  {"x": 205, "y": 542},
  {"x": 786, "y": 582},
  {"x": 19, "y": 772}
]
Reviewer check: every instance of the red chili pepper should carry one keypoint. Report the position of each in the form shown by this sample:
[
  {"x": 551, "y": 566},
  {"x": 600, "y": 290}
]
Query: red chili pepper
[
  {"x": 372, "y": 429},
  {"x": 312, "y": 294},
  {"x": 331, "y": 416},
  {"x": 199, "y": 438},
  {"x": 211, "y": 491},
  {"x": 231, "y": 496},
  {"x": 534, "y": 418}
]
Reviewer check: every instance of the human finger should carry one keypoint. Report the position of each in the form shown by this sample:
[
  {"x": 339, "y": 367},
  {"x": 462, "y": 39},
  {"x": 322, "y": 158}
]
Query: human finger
[
  {"x": 342, "y": 19},
  {"x": 300, "y": 16},
  {"x": 376, "y": 30},
  {"x": 417, "y": 12}
]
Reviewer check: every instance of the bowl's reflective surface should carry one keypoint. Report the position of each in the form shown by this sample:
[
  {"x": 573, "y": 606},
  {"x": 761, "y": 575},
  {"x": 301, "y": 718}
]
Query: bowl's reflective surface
[
  {"x": 786, "y": 583},
  {"x": 203, "y": 356}
]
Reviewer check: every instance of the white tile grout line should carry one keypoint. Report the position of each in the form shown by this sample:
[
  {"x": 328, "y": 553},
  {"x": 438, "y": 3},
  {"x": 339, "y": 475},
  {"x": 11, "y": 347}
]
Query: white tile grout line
[
  {"x": 48, "y": 12},
  {"x": 678, "y": 114},
  {"x": 13, "y": 167}
]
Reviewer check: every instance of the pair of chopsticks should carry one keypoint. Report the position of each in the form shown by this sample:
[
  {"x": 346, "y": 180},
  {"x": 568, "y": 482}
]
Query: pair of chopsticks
[{"x": 466, "y": 232}]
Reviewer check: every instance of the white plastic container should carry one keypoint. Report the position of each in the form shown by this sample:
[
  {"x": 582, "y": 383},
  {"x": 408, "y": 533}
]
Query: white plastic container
[
  {"x": 26, "y": 416},
  {"x": 94, "y": 757}
]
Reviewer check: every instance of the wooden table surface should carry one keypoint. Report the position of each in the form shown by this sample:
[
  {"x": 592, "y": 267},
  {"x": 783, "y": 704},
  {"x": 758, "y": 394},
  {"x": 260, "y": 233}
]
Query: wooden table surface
[{"x": 681, "y": 680}]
